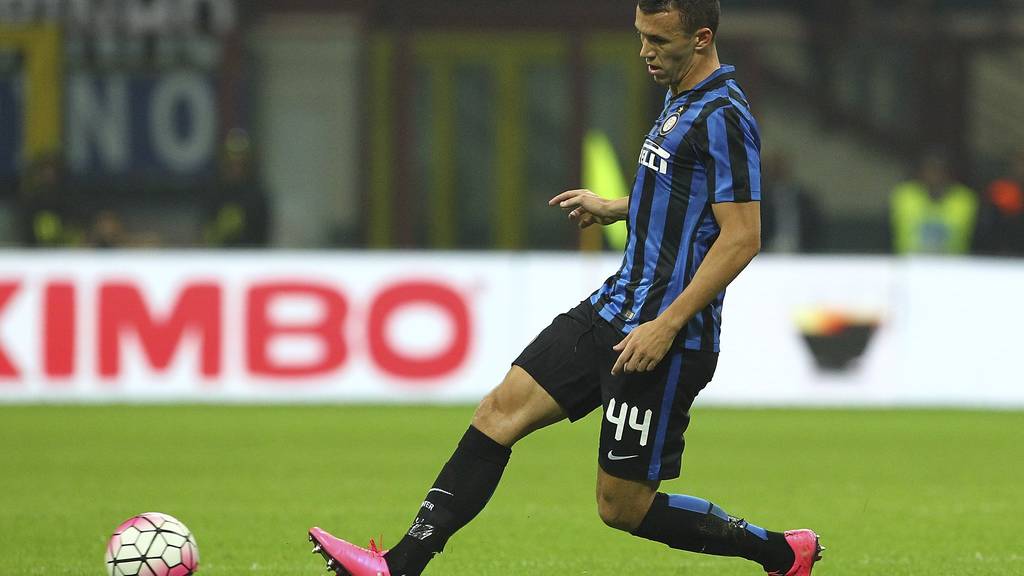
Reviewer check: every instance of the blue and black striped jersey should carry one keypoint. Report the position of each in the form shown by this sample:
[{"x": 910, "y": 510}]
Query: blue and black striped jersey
[{"x": 704, "y": 149}]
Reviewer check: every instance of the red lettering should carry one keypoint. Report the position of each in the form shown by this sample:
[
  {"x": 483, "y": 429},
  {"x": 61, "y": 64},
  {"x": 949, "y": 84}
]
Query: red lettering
[
  {"x": 328, "y": 330},
  {"x": 7, "y": 368},
  {"x": 122, "y": 309},
  {"x": 404, "y": 294},
  {"x": 59, "y": 330}
]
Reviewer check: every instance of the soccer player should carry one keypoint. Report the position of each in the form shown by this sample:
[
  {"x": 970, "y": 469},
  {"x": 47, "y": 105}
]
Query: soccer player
[{"x": 646, "y": 342}]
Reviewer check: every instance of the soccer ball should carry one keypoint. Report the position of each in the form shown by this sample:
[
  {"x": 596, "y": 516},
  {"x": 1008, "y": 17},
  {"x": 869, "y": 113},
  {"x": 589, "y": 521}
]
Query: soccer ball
[{"x": 152, "y": 544}]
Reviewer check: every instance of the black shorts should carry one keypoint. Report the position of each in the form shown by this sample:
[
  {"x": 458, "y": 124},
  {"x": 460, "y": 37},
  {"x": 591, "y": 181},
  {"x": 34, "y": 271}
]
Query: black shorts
[{"x": 645, "y": 414}]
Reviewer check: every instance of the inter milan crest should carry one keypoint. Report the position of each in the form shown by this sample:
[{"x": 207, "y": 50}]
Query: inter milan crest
[{"x": 670, "y": 124}]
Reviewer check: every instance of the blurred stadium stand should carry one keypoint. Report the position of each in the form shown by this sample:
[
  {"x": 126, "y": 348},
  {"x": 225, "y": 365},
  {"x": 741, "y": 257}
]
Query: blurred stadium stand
[{"x": 447, "y": 124}]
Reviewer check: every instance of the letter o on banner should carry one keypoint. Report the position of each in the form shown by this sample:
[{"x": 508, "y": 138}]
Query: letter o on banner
[
  {"x": 189, "y": 151},
  {"x": 448, "y": 302}
]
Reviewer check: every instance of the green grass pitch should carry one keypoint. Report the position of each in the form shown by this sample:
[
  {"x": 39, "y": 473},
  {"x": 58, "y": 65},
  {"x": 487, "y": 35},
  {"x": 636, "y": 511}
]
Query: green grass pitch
[{"x": 891, "y": 492}]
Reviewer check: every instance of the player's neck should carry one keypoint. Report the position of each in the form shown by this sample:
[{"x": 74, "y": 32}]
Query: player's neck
[{"x": 704, "y": 65}]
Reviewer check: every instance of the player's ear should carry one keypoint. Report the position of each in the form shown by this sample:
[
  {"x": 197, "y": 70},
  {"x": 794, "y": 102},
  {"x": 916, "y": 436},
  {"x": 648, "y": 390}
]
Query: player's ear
[{"x": 704, "y": 38}]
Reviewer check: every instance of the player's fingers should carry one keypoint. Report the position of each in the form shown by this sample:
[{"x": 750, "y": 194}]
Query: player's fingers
[
  {"x": 565, "y": 196},
  {"x": 557, "y": 199},
  {"x": 582, "y": 219},
  {"x": 637, "y": 363},
  {"x": 630, "y": 367},
  {"x": 571, "y": 203},
  {"x": 617, "y": 368},
  {"x": 620, "y": 362},
  {"x": 622, "y": 344},
  {"x": 634, "y": 358}
]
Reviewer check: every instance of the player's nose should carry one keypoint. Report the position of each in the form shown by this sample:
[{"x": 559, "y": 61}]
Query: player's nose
[{"x": 646, "y": 51}]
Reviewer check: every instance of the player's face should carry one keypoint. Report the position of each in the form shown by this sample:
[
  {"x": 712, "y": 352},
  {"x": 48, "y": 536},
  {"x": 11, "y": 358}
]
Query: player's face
[{"x": 665, "y": 46}]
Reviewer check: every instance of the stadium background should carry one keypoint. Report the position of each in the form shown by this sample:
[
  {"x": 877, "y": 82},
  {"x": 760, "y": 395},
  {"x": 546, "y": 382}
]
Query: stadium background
[{"x": 342, "y": 204}]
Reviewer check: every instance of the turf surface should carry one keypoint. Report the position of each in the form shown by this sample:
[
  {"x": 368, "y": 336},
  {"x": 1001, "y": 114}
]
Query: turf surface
[{"x": 891, "y": 493}]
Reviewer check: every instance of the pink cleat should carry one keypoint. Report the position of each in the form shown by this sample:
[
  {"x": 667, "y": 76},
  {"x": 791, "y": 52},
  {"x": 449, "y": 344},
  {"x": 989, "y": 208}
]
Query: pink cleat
[
  {"x": 807, "y": 550},
  {"x": 346, "y": 559}
]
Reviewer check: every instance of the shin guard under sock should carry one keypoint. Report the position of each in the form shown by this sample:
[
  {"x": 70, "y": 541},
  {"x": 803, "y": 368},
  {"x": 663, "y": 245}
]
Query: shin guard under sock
[
  {"x": 696, "y": 525},
  {"x": 461, "y": 491}
]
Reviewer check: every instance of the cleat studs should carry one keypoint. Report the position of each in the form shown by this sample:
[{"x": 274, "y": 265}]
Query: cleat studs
[
  {"x": 818, "y": 549},
  {"x": 317, "y": 549}
]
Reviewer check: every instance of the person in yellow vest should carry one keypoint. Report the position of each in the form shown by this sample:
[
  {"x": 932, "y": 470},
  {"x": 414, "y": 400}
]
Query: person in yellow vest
[
  {"x": 236, "y": 213},
  {"x": 933, "y": 214},
  {"x": 49, "y": 216}
]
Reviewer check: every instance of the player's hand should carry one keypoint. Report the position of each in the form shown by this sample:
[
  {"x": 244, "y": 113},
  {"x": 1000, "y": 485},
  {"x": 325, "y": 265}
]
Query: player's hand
[
  {"x": 585, "y": 208},
  {"x": 644, "y": 348}
]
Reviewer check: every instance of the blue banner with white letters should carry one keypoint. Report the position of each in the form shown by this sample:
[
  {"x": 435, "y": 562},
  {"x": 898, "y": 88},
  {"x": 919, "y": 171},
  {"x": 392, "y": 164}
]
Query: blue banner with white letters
[
  {"x": 141, "y": 91},
  {"x": 11, "y": 128},
  {"x": 150, "y": 125}
]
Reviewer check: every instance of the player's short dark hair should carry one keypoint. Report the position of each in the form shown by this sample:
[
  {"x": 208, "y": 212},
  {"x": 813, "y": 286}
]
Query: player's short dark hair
[{"x": 696, "y": 14}]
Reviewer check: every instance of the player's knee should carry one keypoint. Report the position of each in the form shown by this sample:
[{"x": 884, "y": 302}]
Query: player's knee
[
  {"x": 620, "y": 513},
  {"x": 487, "y": 413},
  {"x": 493, "y": 417},
  {"x": 514, "y": 409}
]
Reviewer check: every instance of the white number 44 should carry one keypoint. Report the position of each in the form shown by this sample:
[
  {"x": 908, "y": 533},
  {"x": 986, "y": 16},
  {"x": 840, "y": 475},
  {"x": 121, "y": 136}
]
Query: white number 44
[{"x": 619, "y": 420}]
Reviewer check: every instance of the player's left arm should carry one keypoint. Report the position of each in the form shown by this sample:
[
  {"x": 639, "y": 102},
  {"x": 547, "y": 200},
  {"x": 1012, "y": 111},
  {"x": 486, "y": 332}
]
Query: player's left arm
[{"x": 740, "y": 240}]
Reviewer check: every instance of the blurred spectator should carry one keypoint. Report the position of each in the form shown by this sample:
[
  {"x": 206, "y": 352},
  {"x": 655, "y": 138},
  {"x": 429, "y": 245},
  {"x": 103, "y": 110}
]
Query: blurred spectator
[
  {"x": 1001, "y": 222},
  {"x": 107, "y": 230},
  {"x": 236, "y": 213},
  {"x": 47, "y": 212},
  {"x": 933, "y": 214},
  {"x": 790, "y": 218}
]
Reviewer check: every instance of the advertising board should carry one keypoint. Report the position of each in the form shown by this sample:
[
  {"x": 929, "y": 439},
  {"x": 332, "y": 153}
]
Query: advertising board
[{"x": 421, "y": 327}]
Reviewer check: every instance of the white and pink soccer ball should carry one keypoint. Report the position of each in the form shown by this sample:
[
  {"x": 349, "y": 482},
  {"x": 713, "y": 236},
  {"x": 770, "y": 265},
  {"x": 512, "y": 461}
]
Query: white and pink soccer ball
[{"x": 152, "y": 544}]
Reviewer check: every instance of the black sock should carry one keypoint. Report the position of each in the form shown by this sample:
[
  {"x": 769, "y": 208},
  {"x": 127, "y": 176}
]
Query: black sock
[
  {"x": 696, "y": 525},
  {"x": 460, "y": 492}
]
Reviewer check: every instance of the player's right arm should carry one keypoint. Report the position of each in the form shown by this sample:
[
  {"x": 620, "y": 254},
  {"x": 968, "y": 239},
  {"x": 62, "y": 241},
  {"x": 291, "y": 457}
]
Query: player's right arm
[{"x": 586, "y": 208}]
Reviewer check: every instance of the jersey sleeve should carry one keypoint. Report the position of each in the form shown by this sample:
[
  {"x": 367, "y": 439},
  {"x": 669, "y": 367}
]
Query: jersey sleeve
[{"x": 734, "y": 156}]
